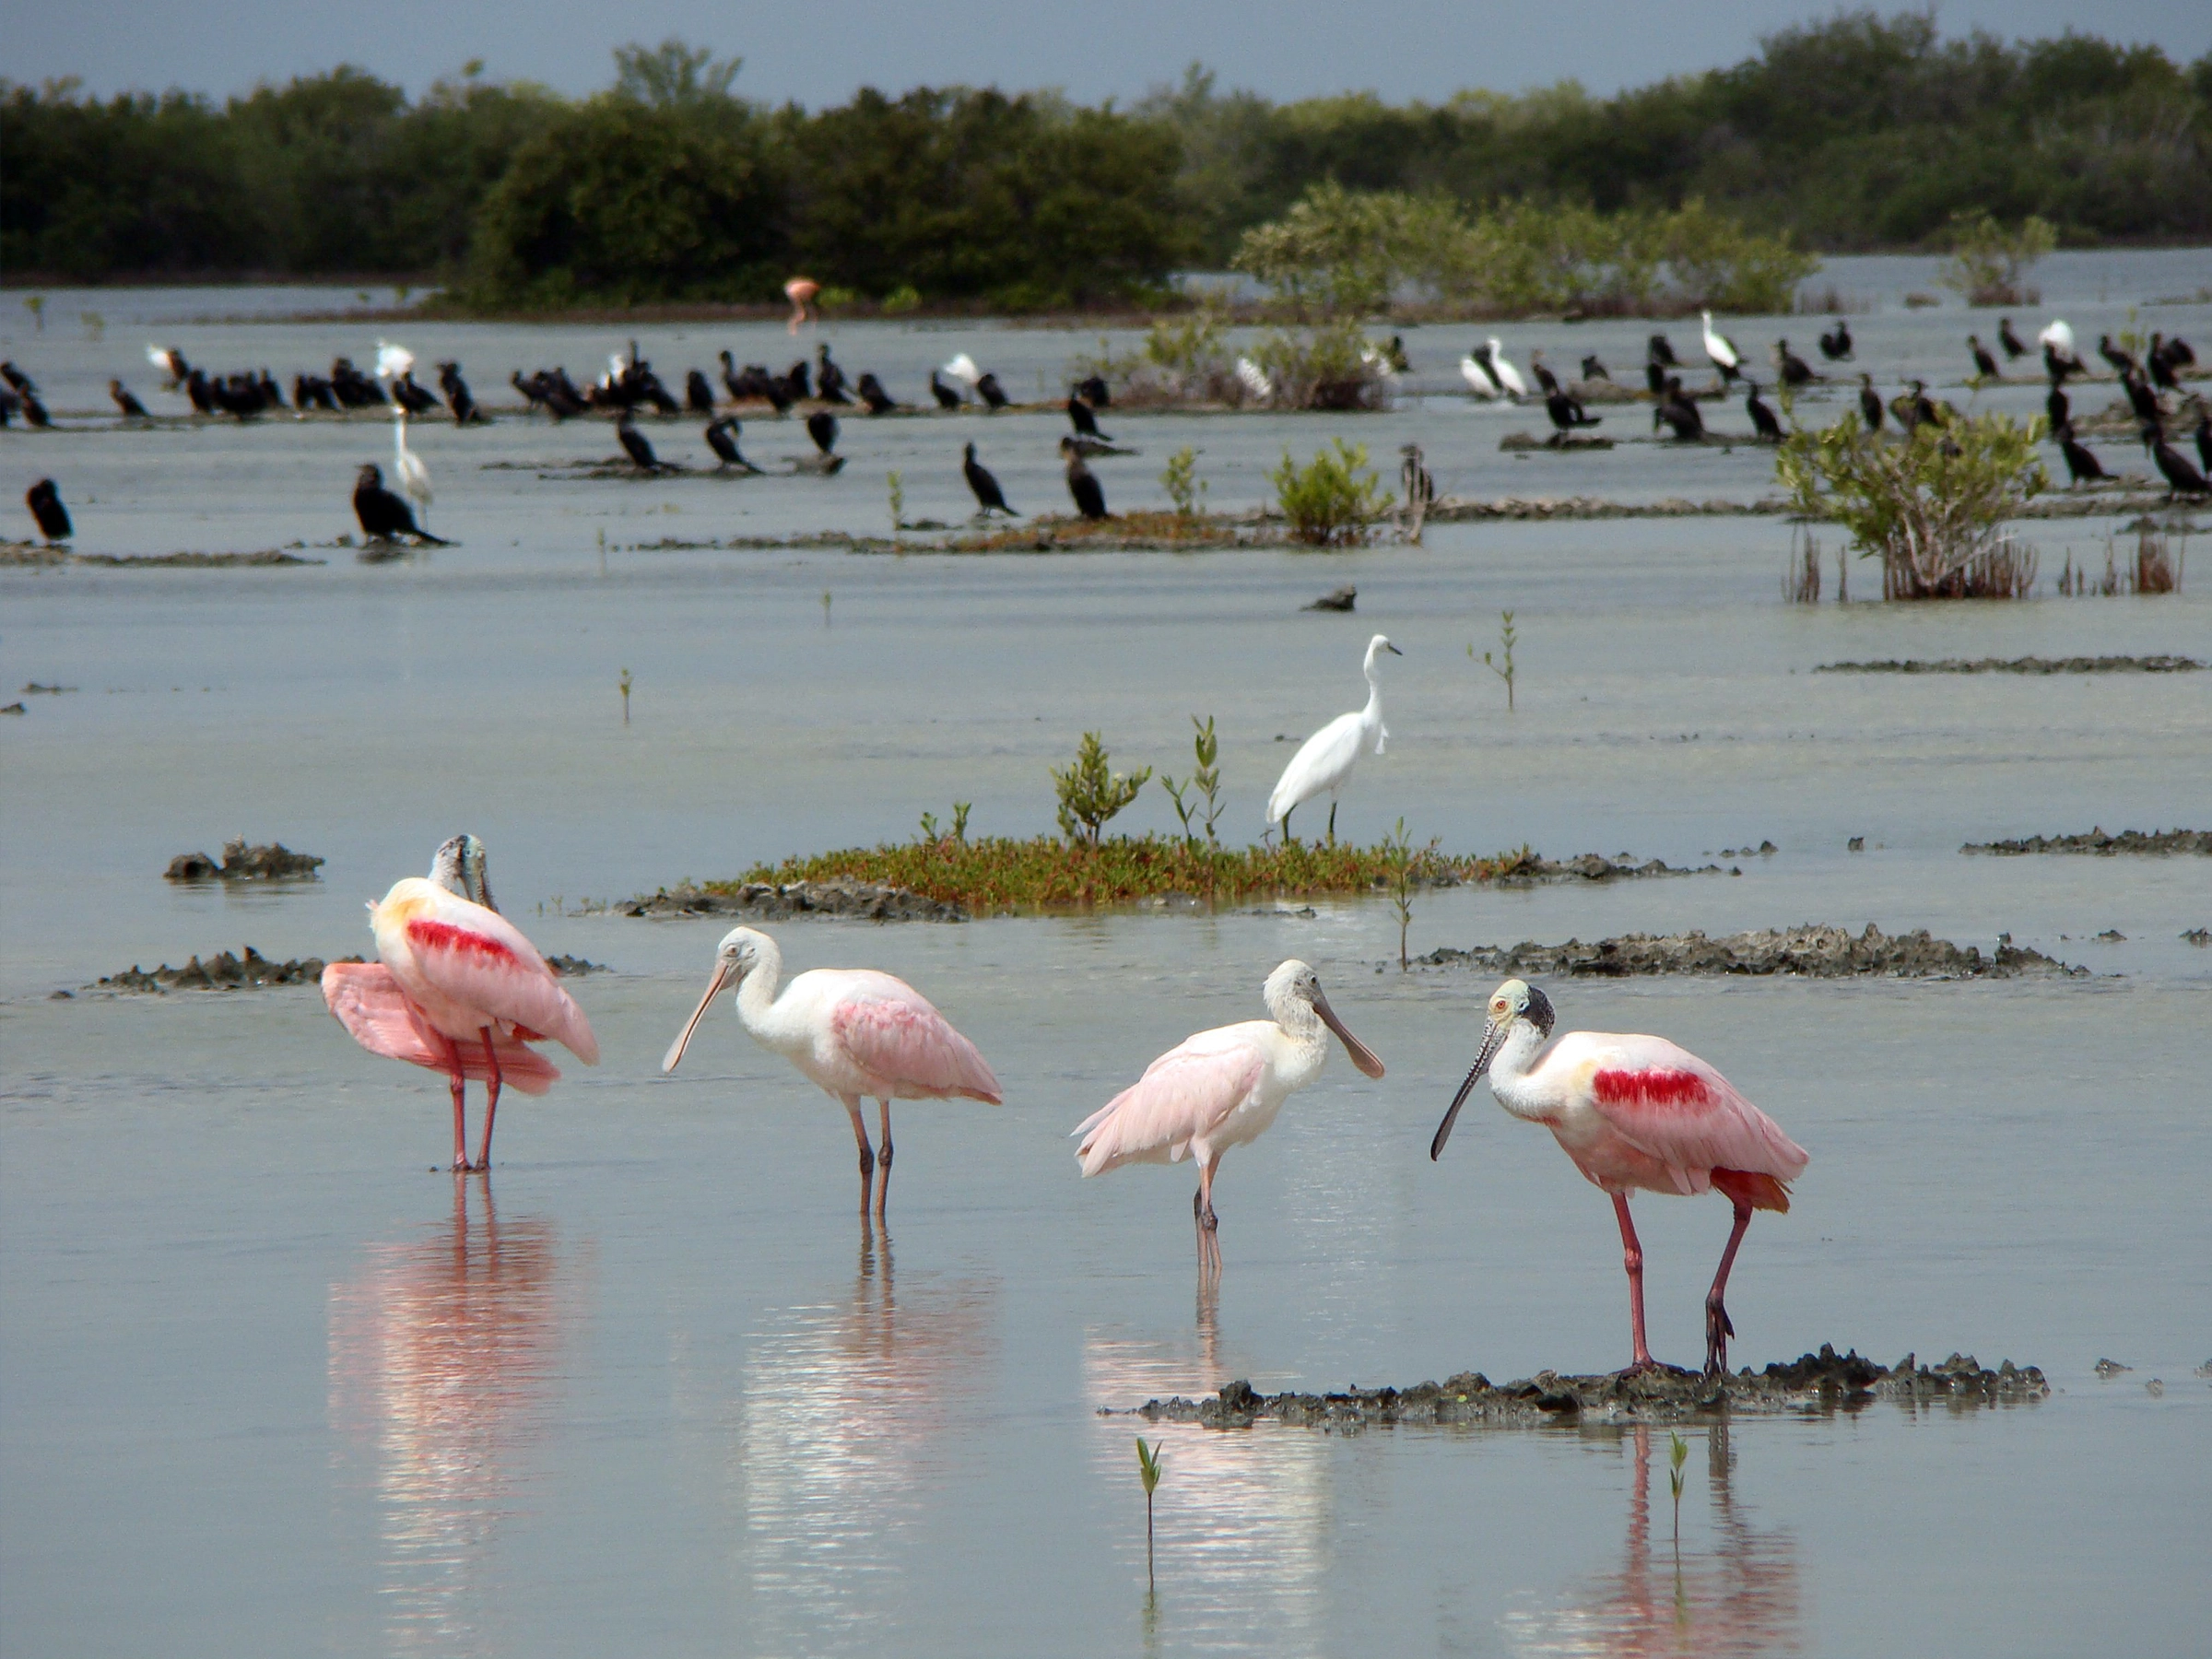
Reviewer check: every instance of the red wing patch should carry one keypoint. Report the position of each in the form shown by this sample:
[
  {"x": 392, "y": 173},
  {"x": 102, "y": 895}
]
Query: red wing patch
[
  {"x": 426, "y": 934},
  {"x": 1682, "y": 1090}
]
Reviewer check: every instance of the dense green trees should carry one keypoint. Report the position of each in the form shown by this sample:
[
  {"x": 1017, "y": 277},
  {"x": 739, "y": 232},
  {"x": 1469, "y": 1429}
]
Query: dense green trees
[{"x": 1856, "y": 132}]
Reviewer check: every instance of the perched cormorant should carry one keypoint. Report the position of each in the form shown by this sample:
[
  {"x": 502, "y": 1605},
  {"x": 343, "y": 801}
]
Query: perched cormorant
[
  {"x": 795, "y": 383},
  {"x": 988, "y": 389},
  {"x": 170, "y": 361},
  {"x": 198, "y": 388},
  {"x": 699, "y": 393},
  {"x": 19, "y": 380},
  {"x": 1546, "y": 380},
  {"x": 353, "y": 388},
  {"x": 829, "y": 379},
  {"x": 132, "y": 408},
  {"x": 1678, "y": 412},
  {"x": 1835, "y": 345},
  {"x": 2058, "y": 363},
  {"x": 2082, "y": 467},
  {"x": 634, "y": 442},
  {"x": 45, "y": 503},
  {"x": 33, "y": 411},
  {"x": 312, "y": 392},
  {"x": 948, "y": 397},
  {"x": 384, "y": 515},
  {"x": 1795, "y": 370},
  {"x": 1654, "y": 377},
  {"x": 2008, "y": 340},
  {"x": 1984, "y": 365},
  {"x": 2142, "y": 399},
  {"x": 821, "y": 426},
  {"x": 1925, "y": 412},
  {"x": 2160, "y": 366},
  {"x": 2180, "y": 477},
  {"x": 1661, "y": 350},
  {"x": 733, "y": 383},
  {"x": 2057, "y": 408},
  {"x": 1094, "y": 390},
  {"x": 1762, "y": 417},
  {"x": 1566, "y": 410},
  {"x": 271, "y": 392},
  {"x": 457, "y": 396},
  {"x": 989, "y": 498},
  {"x": 872, "y": 393},
  {"x": 2124, "y": 363},
  {"x": 721, "y": 438},
  {"x": 1085, "y": 421},
  {"x": 1594, "y": 370},
  {"x": 414, "y": 399},
  {"x": 1870, "y": 403},
  {"x": 1082, "y": 483}
]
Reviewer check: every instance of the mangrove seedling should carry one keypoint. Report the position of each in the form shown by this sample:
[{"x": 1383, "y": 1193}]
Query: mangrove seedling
[
  {"x": 1502, "y": 665},
  {"x": 1148, "y": 1471},
  {"x": 1181, "y": 482},
  {"x": 898, "y": 501},
  {"x": 1334, "y": 501},
  {"x": 1092, "y": 793},
  {"x": 1988, "y": 261},
  {"x": 1400, "y": 854},
  {"x": 1207, "y": 780},
  {"x": 624, "y": 682},
  {"x": 1678, "y": 1454}
]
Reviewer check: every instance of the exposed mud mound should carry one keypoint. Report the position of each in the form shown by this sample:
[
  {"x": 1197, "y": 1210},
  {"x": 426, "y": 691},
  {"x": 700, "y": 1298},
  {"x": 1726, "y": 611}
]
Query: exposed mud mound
[
  {"x": 570, "y": 966},
  {"x": 1824, "y": 1382},
  {"x": 224, "y": 973},
  {"x": 21, "y": 555},
  {"x": 1810, "y": 952},
  {"x": 2098, "y": 842},
  {"x": 274, "y": 861},
  {"x": 1457, "y": 510},
  {"x": 766, "y": 902},
  {"x": 2028, "y": 664},
  {"x": 1534, "y": 870}
]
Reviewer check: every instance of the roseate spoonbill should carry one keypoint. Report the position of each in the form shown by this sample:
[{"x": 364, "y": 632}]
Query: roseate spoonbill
[
  {"x": 800, "y": 292},
  {"x": 458, "y": 990},
  {"x": 851, "y": 1031},
  {"x": 1220, "y": 1088},
  {"x": 1324, "y": 762},
  {"x": 1635, "y": 1112},
  {"x": 1721, "y": 350}
]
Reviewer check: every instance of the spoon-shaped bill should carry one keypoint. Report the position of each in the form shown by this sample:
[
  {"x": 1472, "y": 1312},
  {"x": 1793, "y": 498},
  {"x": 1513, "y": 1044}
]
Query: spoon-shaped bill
[
  {"x": 1493, "y": 1038},
  {"x": 1363, "y": 1057},
  {"x": 683, "y": 1039}
]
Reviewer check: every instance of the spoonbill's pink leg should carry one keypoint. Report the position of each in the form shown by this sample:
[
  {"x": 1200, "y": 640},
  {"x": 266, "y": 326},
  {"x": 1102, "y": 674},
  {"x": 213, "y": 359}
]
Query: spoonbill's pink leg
[
  {"x": 1631, "y": 1258},
  {"x": 1718, "y": 1328},
  {"x": 883, "y": 1158},
  {"x": 491, "y": 1100},
  {"x": 1209, "y": 1224},
  {"x": 460, "y": 1088},
  {"x": 868, "y": 1158}
]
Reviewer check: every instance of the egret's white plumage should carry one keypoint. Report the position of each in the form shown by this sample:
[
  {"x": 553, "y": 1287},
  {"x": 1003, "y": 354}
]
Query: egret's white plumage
[
  {"x": 1254, "y": 379},
  {"x": 2059, "y": 338},
  {"x": 1507, "y": 376},
  {"x": 963, "y": 369},
  {"x": 851, "y": 1031},
  {"x": 170, "y": 363},
  {"x": 1719, "y": 349},
  {"x": 1220, "y": 1088},
  {"x": 392, "y": 361},
  {"x": 1324, "y": 762},
  {"x": 1480, "y": 379},
  {"x": 413, "y": 478}
]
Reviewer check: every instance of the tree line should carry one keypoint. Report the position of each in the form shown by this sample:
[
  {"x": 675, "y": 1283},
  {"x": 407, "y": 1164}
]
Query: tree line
[{"x": 1857, "y": 131}]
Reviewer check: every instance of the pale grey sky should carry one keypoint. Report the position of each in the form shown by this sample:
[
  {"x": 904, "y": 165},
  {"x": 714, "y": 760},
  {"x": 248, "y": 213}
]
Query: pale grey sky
[{"x": 820, "y": 51}]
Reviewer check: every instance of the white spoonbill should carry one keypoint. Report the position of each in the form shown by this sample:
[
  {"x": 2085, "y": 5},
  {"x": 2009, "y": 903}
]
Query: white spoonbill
[
  {"x": 1475, "y": 370},
  {"x": 1324, "y": 762},
  {"x": 1219, "y": 1089},
  {"x": 1721, "y": 350},
  {"x": 1635, "y": 1112},
  {"x": 458, "y": 990},
  {"x": 1507, "y": 376},
  {"x": 851, "y": 1031},
  {"x": 413, "y": 477}
]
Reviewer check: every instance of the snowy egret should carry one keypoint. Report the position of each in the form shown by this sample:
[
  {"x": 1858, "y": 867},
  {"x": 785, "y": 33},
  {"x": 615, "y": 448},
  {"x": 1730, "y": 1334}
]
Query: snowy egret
[
  {"x": 1481, "y": 381},
  {"x": 1324, "y": 762},
  {"x": 413, "y": 477},
  {"x": 1507, "y": 376},
  {"x": 1721, "y": 350}
]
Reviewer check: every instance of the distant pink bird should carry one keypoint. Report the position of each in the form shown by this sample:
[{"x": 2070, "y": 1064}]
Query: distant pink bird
[
  {"x": 1635, "y": 1112},
  {"x": 459, "y": 989},
  {"x": 851, "y": 1031},
  {"x": 800, "y": 292},
  {"x": 1219, "y": 1089}
]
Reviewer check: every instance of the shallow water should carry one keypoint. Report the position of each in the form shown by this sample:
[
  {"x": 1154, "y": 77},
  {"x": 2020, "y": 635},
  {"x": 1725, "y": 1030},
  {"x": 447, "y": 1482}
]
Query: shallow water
[{"x": 270, "y": 1383}]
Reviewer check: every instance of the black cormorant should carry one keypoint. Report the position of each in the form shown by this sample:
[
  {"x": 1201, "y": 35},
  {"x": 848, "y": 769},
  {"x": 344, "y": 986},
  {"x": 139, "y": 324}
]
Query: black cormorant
[
  {"x": 721, "y": 438},
  {"x": 989, "y": 498},
  {"x": 1086, "y": 423},
  {"x": 1566, "y": 410},
  {"x": 2124, "y": 363},
  {"x": 132, "y": 408},
  {"x": 386, "y": 517},
  {"x": 1594, "y": 370},
  {"x": 1835, "y": 345},
  {"x": 2082, "y": 467},
  {"x": 2143, "y": 400},
  {"x": 821, "y": 426},
  {"x": 45, "y": 503},
  {"x": 1678, "y": 412},
  {"x": 1984, "y": 365},
  {"x": 1870, "y": 403},
  {"x": 2008, "y": 340},
  {"x": 2181, "y": 478},
  {"x": 948, "y": 397},
  {"x": 1762, "y": 417},
  {"x": 1095, "y": 392},
  {"x": 699, "y": 393},
  {"x": 1546, "y": 380},
  {"x": 457, "y": 395},
  {"x": 634, "y": 442},
  {"x": 1082, "y": 483},
  {"x": 829, "y": 379},
  {"x": 872, "y": 393},
  {"x": 988, "y": 389},
  {"x": 1661, "y": 350}
]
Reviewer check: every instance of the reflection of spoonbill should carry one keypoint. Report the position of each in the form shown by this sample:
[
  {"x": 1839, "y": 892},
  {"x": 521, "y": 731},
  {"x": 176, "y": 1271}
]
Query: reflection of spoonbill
[
  {"x": 851, "y": 1031},
  {"x": 413, "y": 477},
  {"x": 1324, "y": 762},
  {"x": 1721, "y": 350},
  {"x": 1219, "y": 1089},
  {"x": 1635, "y": 1112},
  {"x": 800, "y": 292},
  {"x": 455, "y": 972},
  {"x": 1507, "y": 375}
]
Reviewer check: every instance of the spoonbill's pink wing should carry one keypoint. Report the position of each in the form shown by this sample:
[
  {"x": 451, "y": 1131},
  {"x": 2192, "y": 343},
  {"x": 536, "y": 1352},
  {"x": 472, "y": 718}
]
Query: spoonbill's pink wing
[
  {"x": 369, "y": 1003},
  {"x": 1181, "y": 1095},
  {"x": 1665, "y": 1101},
  {"x": 479, "y": 958},
  {"x": 889, "y": 1029}
]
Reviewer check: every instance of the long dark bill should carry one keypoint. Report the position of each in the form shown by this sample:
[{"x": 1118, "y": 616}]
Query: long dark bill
[
  {"x": 1363, "y": 1057},
  {"x": 683, "y": 1040},
  {"x": 1492, "y": 1038}
]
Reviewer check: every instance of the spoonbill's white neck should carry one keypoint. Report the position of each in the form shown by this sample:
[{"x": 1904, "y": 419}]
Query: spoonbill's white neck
[
  {"x": 1510, "y": 1067},
  {"x": 756, "y": 991}
]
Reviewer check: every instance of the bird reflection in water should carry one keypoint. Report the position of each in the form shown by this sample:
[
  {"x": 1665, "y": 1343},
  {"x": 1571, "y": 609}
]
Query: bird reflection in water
[
  {"x": 1738, "y": 1593},
  {"x": 853, "y": 1423},
  {"x": 442, "y": 1355}
]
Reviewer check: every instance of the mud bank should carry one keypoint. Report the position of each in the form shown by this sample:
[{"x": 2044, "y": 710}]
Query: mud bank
[
  {"x": 766, "y": 901},
  {"x": 2097, "y": 843},
  {"x": 1824, "y": 1382},
  {"x": 274, "y": 861},
  {"x": 29, "y": 558},
  {"x": 2028, "y": 665},
  {"x": 254, "y": 971},
  {"x": 1452, "y": 510},
  {"x": 1811, "y": 952}
]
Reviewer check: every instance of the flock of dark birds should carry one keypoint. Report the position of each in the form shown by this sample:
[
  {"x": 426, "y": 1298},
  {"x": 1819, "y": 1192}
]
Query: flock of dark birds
[{"x": 630, "y": 384}]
